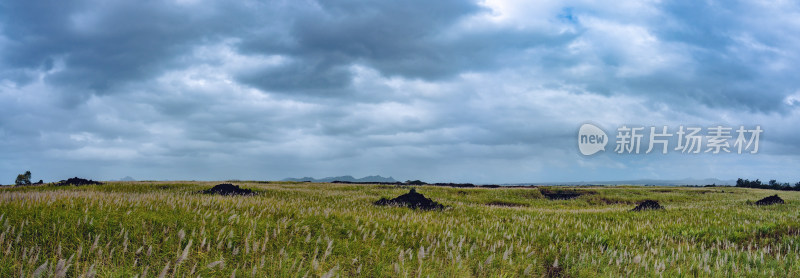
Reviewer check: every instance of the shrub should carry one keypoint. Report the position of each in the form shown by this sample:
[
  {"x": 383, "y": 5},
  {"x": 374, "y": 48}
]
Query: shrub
[{"x": 23, "y": 179}]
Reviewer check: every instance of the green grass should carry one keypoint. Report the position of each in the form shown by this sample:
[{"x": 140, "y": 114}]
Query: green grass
[{"x": 127, "y": 229}]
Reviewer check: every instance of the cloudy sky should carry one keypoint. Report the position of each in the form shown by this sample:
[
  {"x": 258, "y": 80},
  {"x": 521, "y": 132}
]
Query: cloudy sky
[{"x": 444, "y": 91}]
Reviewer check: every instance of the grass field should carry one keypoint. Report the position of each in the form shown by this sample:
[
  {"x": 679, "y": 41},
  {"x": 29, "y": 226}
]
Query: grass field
[{"x": 158, "y": 229}]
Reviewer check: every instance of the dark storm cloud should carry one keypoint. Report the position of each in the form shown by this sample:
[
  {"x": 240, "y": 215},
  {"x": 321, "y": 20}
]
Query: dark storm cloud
[
  {"x": 733, "y": 46},
  {"x": 488, "y": 91},
  {"x": 103, "y": 44},
  {"x": 398, "y": 38},
  {"x": 739, "y": 57}
]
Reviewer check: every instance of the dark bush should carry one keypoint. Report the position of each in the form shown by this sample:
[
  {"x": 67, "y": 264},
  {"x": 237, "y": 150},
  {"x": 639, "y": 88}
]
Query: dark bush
[
  {"x": 76, "y": 181},
  {"x": 772, "y": 184},
  {"x": 23, "y": 179}
]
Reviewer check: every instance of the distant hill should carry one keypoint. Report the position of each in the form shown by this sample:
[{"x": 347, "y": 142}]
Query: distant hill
[
  {"x": 344, "y": 178},
  {"x": 126, "y": 178},
  {"x": 647, "y": 182}
]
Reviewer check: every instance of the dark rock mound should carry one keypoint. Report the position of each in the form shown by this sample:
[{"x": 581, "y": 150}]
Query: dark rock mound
[
  {"x": 457, "y": 185},
  {"x": 648, "y": 205},
  {"x": 228, "y": 189},
  {"x": 771, "y": 200},
  {"x": 562, "y": 194},
  {"x": 76, "y": 181},
  {"x": 412, "y": 199}
]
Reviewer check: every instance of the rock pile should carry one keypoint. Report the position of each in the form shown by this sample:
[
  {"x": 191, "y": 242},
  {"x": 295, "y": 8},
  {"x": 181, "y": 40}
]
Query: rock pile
[
  {"x": 228, "y": 189},
  {"x": 563, "y": 194},
  {"x": 648, "y": 205},
  {"x": 412, "y": 199},
  {"x": 771, "y": 200}
]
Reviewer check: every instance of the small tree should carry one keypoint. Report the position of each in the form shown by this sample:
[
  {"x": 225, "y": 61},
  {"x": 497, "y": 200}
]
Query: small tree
[
  {"x": 773, "y": 184},
  {"x": 23, "y": 179}
]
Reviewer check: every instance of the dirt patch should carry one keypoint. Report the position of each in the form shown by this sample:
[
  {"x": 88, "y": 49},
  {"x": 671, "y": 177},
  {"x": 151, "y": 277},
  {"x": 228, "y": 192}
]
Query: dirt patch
[
  {"x": 76, "y": 181},
  {"x": 771, "y": 200},
  {"x": 648, "y": 205},
  {"x": 504, "y": 204},
  {"x": 563, "y": 194},
  {"x": 412, "y": 199},
  {"x": 228, "y": 189}
]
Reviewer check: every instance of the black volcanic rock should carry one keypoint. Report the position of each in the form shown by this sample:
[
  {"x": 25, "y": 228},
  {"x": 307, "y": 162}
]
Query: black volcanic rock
[
  {"x": 228, "y": 189},
  {"x": 648, "y": 205},
  {"x": 563, "y": 194},
  {"x": 771, "y": 200},
  {"x": 412, "y": 199}
]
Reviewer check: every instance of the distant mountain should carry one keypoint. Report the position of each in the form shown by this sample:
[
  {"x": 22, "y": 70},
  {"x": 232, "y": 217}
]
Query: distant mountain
[
  {"x": 687, "y": 181},
  {"x": 126, "y": 178},
  {"x": 344, "y": 178}
]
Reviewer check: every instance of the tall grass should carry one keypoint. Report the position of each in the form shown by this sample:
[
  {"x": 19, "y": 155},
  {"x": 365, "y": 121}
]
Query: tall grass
[{"x": 151, "y": 229}]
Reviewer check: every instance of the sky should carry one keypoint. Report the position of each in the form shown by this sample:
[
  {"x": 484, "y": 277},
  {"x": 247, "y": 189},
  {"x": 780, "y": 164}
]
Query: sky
[{"x": 442, "y": 91}]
